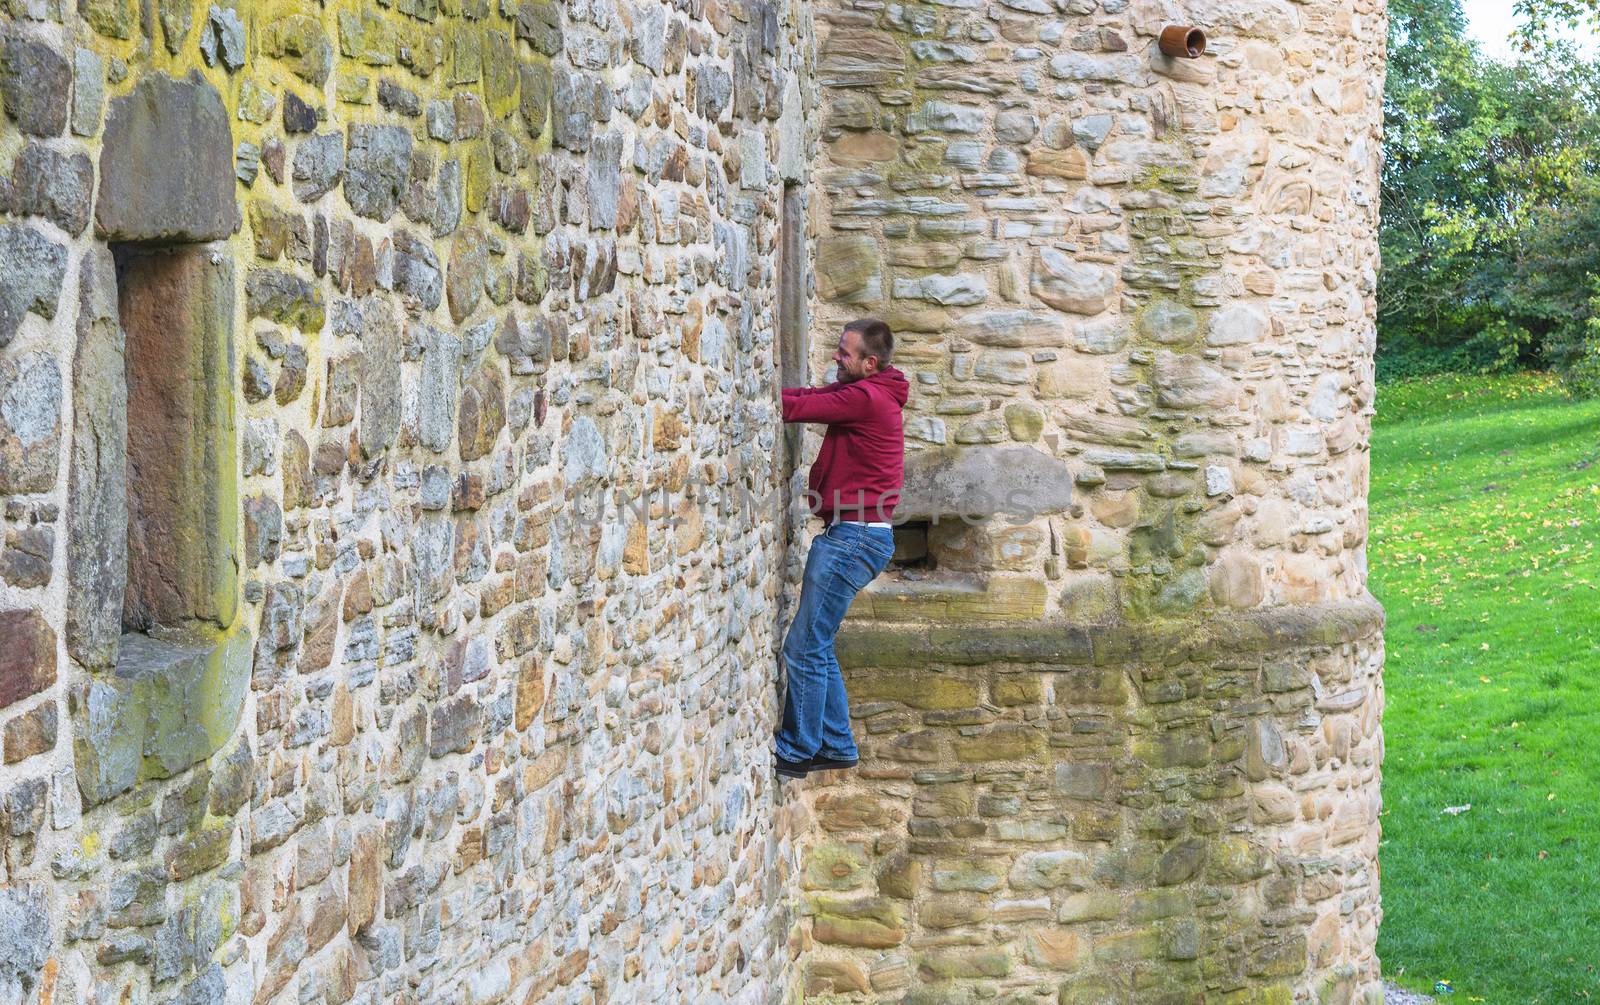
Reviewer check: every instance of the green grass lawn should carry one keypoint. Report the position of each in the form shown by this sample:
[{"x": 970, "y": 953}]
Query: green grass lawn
[{"x": 1485, "y": 552}]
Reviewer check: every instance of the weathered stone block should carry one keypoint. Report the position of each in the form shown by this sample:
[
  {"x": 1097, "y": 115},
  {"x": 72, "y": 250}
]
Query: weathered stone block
[
  {"x": 453, "y": 726},
  {"x": 377, "y": 165},
  {"x": 223, "y": 38},
  {"x": 30, "y": 422},
  {"x": 835, "y": 977},
  {"x": 1181, "y": 862},
  {"x": 578, "y": 102},
  {"x": 842, "y": 811},
  {"x": 1012, "y": 329},
  {"x": 417, "y": 274},
  {"x": 1070, "y": 163},
  {"x": 869, "y": 923},
  {"x": 1001, "y": 743},
  {"x": 469, "y": 262},
  {"x": 969, "y": 875},
  {"x": 983, "y": 481},
  {"x": 1083, "y": 780},
  {"x": 263, "y": 530},
  {"x": 1265, "y": 754},
  {"x": 833, "y": 866},
  {"x": 954, "y": 964},
  {"x": 54, "y": 186},
  {"x": 1074, "y": 287},
  {"x": 301, "y": 41},
  {"x": 1238, "y": 324},
  {"x": 916, "y": 688},
  {"x": 1187, "y": 382},
  {"x": 1127, "y": 69},
  {"x": 1050, "y": 870},
  {"x": 537, "y": 86},
  {"x": 198, "y": 853},
  {"x": 483, "y": 412},
  {"x": 379, "y": 376},
  {"x": 26, "y": 934},
  {"x": 177, "y": 312},
  {"x": 148, "y": 194},
  {"x": 318, "y": 164},
  {"x": 1054, "y": 948},
  {"x": 172, "y": 702},
  {"x": 953, "y": 597},
  {"x": 285, "y": 298},
  {"x": 33, "y": 732},
  {"x": 32, "y": 268},
  {"x": 28, "y": 557},
  {"x": 36, "y": 85},
  {"x": 856, "y": 57},
  {"x": 848, "y": 268}
]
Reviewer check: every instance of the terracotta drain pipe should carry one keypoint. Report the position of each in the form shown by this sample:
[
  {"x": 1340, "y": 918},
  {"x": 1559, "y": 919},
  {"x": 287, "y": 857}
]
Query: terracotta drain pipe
[{"x": 1182, "y": 41}]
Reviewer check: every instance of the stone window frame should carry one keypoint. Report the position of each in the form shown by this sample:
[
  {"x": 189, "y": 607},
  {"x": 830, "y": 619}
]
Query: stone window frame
[{"x": 153, "y": 703}]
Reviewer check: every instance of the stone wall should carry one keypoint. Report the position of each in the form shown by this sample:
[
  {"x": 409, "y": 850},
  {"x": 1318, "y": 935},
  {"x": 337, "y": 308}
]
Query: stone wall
[
  {"x": 391, "y": 561},
  {"x": 429, "y": 344},
  {"x": 1121, "y": 737},
  {"x": 1091, "y": 816},
  {"x": 1150, "y": 277}
]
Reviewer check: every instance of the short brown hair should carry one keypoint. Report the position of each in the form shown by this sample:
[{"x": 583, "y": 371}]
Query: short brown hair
[{"x": 876, "y": 339}]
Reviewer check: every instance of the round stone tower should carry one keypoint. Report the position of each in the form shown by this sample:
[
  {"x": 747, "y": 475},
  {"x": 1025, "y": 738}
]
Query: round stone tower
[{"x": 1119, "y": 698}]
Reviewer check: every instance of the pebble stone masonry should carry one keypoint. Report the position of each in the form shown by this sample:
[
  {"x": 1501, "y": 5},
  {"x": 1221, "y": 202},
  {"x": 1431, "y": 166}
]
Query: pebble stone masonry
[{"x": 393, "y": 540}]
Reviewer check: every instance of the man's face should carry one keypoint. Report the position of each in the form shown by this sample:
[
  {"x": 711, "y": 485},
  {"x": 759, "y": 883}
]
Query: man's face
[{"x": 853, "y": 366}]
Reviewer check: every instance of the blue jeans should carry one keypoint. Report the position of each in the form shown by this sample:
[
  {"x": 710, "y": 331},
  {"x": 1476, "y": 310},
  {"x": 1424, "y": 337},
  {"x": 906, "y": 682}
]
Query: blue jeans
[{"x": 816, "y": 712}]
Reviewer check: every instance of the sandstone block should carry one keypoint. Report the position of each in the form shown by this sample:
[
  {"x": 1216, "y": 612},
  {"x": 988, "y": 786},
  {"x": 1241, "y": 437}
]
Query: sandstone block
[
  {"x": 1187, "y": 382},
  {"x": 983, "y": 481},
  {"x": 1054, "y": 948},
  {"x": 1001, "y": 743},
  {"x": 1049, "y": 870},
  {"x": 33, "y": 732},
  {"x": 915, "y": 688},
  {"x": 1074, "y": 287},
  {"x": 1238, "y": 324},
  {"x": 870, "y": 923}
]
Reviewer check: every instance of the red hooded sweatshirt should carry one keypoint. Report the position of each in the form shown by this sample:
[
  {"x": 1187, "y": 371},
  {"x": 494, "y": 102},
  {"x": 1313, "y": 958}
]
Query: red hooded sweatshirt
[{"x": 858, "y": 473}]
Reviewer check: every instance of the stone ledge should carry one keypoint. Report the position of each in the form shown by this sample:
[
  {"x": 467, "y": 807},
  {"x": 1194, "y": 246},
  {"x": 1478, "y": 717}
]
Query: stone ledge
[
  {"x": 172, "y": 702},
  {"x": 876, "y": 644},
  {"x": 952, "y": 596}
]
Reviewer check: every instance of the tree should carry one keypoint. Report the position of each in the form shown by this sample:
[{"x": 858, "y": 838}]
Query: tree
[
  {"x": 1537, "y": 17},
  {"x": 1486, "y": 197}
]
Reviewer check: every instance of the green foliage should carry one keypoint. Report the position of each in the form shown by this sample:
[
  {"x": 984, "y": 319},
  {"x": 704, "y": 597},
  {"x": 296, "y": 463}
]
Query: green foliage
[
  {"x": 1539, "y": 16},
  {"x": 1491, "y": 224},
  {"x": 1485, "y": 551}
]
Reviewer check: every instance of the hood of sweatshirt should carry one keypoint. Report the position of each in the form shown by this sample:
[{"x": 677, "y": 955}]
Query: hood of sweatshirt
[{"x": 891, "y": 382}]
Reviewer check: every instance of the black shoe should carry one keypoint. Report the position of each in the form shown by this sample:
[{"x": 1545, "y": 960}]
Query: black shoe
[
  {"x": 790, "y": 769},
  {"x": 820, "y": 763}
]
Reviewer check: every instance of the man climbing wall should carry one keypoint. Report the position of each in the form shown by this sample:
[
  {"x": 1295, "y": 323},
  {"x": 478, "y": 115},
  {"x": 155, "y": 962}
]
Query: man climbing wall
[{"x": 854, "y": 485}]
